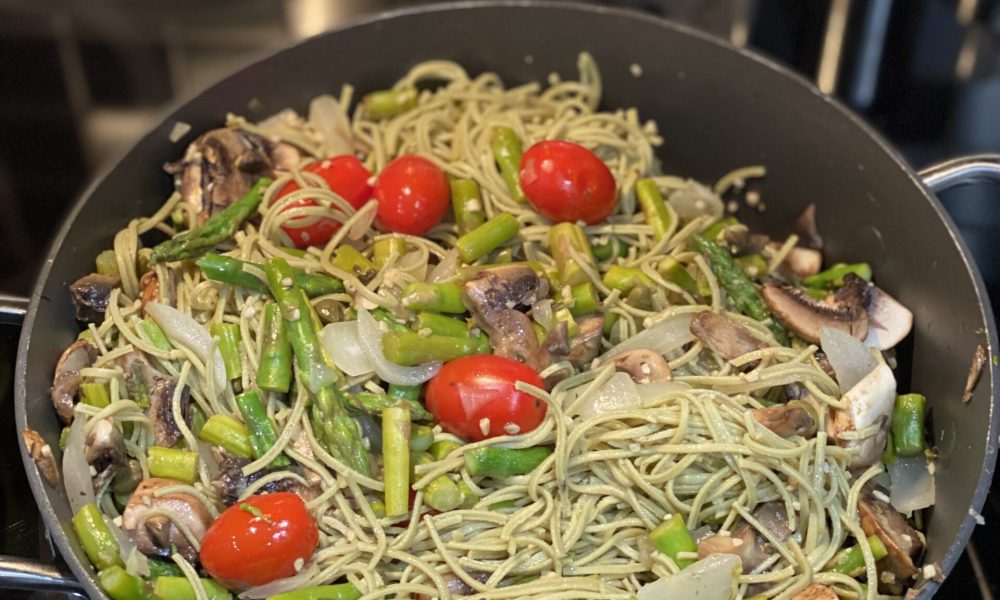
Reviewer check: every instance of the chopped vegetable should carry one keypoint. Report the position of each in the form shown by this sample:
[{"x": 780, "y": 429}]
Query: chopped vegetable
[
  {"x": 228, "y": 335},
  {"x": 227, "y": 432},
  {"x": 908, "y": 424},
  {"x": 566, "y": 182},
  {"x": 340, "y": 591},
  {"x": 433, "y": 297},
  {"x": 467, "y": 204},
  {"x": 492, "y": 461},
  {"x": 172, "y": 463},
  {"x": 833, "y": 277},
  {"x": 275, "y": 371},
  {"x": 507, "y": 153},
  {"x": 384, "y": 104},
  {"x": 263, "y": 433},
  {"x": 396, "y": 458},
  {"x": 562, "y": 238},
  {"x": 412, "y": 194},
  {"x": 409, "y": 349},
  {"x": 671, "y": 538},
  {"x": 95, "y": 394},
  {"x": 653, "y": 207},
  {"x": 852, "y": 561},
  {"x": 179, "y": 588},
  {"x": 490, "y": 235}
]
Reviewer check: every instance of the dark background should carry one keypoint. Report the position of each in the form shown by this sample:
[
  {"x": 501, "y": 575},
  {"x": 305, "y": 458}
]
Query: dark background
[{"x": 81, "y": 81}]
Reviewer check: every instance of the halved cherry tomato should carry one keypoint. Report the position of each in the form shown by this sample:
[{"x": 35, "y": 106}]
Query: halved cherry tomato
[
  {"x": 348, "y": 178},
  {"x": 259, "y": 540},
  {"x": 566, "y": 182},
  {"x": 467, "y": 390},
  {"x": 412, "y": 194}
]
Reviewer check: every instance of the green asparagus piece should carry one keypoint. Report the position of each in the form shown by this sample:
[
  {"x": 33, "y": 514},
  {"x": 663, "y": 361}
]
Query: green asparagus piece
[
  {"x": 488, "y": 236},
  {"x": 172, "y": 463},
  {"x": 95, "y": 537},
  {"x": 713, "y": 231},
  {"x": 384, "y": 248},
  {"x": 817, "y": 293},
  {"x": 421, "y": 437},
  {"x": 275, "y": 372},
  {"x": 378, "y": 507},
  {"x": 396, "y": 458},
  {"x": 155, "y": 334},
  {"x": 653, "y": 207},
  {"x": 741, "y": 290},
  {"x": 374, "y": 404},
  {"x": 585, "y": 299},
  {"x": 671, "y": 538},
  {"x": 341, "y": 432},
  {"x": 626, "y": 278},
  {"x": 229, "y": 347},
  {"x": 163, "y": 568},
  {"x": 119, "y": 585},
  {"x": 672, "y": 270},
  {"x": 229, "y": 270},
  {"x": 833, "y": 277},
  {"x": 179, "y": 588},
  {"x": 467, "y": 204},
  {"x": 491, "y": 461},
  {"x": 908, "y": 424},
  {"x": 441, "y": 325},
  {"x": 340, "y": 591},
  {"x": 263, "y": 433},
  {"x": 350, "y": 259},
  {"x": 106, "y": 263},
  {"x": 889, "y": 455},
  {"x": 312, "y": 363},
  {"x": 441, "y": 449},
  {"x": 852, "y": 561},
  {"x": 433, "y": 297},
  {"x": 95, "y": 394},
  {"x": 404, "y": 392},
  {"x": 216, "y": 229},
  {"x": 507, "y": 154},
  {"x": 440, "y": 493},
  {"x": 227, "y": 432},
  {"x": 384, "y": 104},
  {"x": 469, "y": 497},
  {"x": 562, "y": 237},
  {"x": 613, "y": 248},
  {"x": 753, "y": 265},
  {"x": 408, "y": 348}
]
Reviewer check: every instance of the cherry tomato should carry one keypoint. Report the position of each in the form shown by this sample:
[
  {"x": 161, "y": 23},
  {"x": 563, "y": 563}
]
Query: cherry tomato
[
  {"x": 259, "y": 540},
  {"x": 412, "y": 194},
  {"x": 348, "y": 178},
  {"x": 566, "y": 182},
  {"x": 467, "y": 390}
]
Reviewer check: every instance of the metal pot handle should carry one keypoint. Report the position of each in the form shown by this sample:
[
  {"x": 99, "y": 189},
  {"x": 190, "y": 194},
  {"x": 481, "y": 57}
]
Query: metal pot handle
[
  {"x": 964, "y": 170},
  {"x": 26, "y": 574},
  {"x": 12, "y": 309}
]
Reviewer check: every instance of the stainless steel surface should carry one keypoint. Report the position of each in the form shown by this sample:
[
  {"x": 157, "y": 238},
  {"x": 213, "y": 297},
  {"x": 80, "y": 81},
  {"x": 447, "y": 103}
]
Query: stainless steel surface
[
  {"x": 12, "y": 309},
  {"x": 961, "y": 171},
  {"x": 26, "y": 574}
]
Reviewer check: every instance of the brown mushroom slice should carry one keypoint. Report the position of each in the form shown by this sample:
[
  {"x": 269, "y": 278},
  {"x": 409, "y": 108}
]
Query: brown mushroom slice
[
  {"x": 902, "y": 542},
  {"x": 66, "y": 383},
  {"x": 786, "y": 420},
  {"x": 804, "y": 226},
  {"x": 41, "y": 453},
  {"x": 745, "y": 541},
  {"x": 869, "y": 403},
  {"x": 104, "y": 451},
  {"x": 742, "y": 241},
  {"x": 888, "y": 320},
  {"x": 140, "y": 375},
  {"x": 642, "y": 365},
  {"x": 803, "y": 262},
  {"x": 724, "y": 335},
  {"x": 806, "y": 316},
  {"x": 586, "y": 343},
  {"x": 91, "y": 294},
  {"x": 493, "y": 295},
  {"x": 231, "y": 482},
  {"x": 816, "y": 591},
  {"x": 161, "y": 411},
  {"x": 153, "y": 290},
  {"x": 153, "y": 533}
]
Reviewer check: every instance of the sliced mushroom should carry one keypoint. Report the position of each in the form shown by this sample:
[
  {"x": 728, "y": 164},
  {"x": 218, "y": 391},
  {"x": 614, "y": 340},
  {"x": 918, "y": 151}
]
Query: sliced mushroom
[
  {"x": 231, "y": 482},
  {"x": 90, "y": 295},
  {"x": 786, "y": 420},
  {"x": 161, "y": 403},
  {"x": 220, "y": 166},
  {"x": 802, "y": 262},
  {"x": 888, "y": 320},
  {"x": 66, "y": 383},
  {"x": 816, "y": 591},
  {"x": 724, "y": 335},
  {"x": 869, "y": 403},
  {"x": 129, "y": 476},
  {"x": 154, "y": 290},
  {"x": 140, "y": 375},
  {"x": 745, "y": 541},
  {"x": 805, "y": 227},
  {"x": 156, "y": 534},
  {"x": 493, "y": 297},
  {"x": 902, "y": 542},
  {"x": 41, "y": 453},
  {"x": 586, "y": 343},
  {"x": 742, "y": 242},
  {"x": 642, "y": 365},
  {"x": 104, "y": 451},
  {"x": 806, "y": 316}
]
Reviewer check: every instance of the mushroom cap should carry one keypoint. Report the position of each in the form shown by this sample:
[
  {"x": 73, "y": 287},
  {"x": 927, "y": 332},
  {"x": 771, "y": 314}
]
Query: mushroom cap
[
  {"x": 66, "y": 383},
  {"x": 41, "y": 453},
  {"x": 724, "y": 335},
  {"x": 787, "y": 420},
  {"x": 806, "y": 316},
  {"x": 902, "y": 542},
  {"x": 157, "y": 535},
  {"x": 642, "y": 365},
  {"x": 90, "y": 295}
]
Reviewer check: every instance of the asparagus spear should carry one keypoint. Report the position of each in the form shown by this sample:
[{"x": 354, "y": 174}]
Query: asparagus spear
[
  {"x": 433, "y": 297},
  {"x": 491, "y": 234},
  {"x": 441, "y": 325},
  {"x": 585, "y": 299},
  {"x": 421, "y": 437},
  {"x": 229, "y": 270},
  {"x": 491, "y": 461},
  {"x": 408, "y": 348},
  {"x": 908, "y": 424},
  {"x": 672, "y": 270},
  {"x": 384, "y": 104},
  {"x": 340, "y": 591},
  {"x": 653, "y": 207},
  {"x": 229, "y": 347},
  {"x": 374, "y": 404},
  {"x": 671, "y": 538},
  {"x": 172, "y": 463},
  {"x": 216, "y": 229},
  {"x": 227, "y": 432},
  {"x": 562, "y": 237},
  {"x": 467, "y": 204},
  {"x": 95, "y": 394},
  {"x": 179, "y": 588},
  {"x": 396, "y": 458},
  {"x": 507, "y": 153},
  {"x": 275, "y": 372},
  {"x": 852, "y": 561},
  {"x": 95, "y": 537},
  {"x": 341, "y": 433},
  {"x": 384, "y": 248},
  {"x": 155, "y": 334},
  {"x": 263, "y": 433},
  {"x": 741, "y": 290},
  {"x": 626, "y": 278},
  {"x": 441, "y": 493},
  {"x": 833, "y": 277},
  {"x": 119, "y": 585}
]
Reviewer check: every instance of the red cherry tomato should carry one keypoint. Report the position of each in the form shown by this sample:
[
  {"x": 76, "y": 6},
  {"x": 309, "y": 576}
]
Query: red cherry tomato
[
  {"x": 566, "y": 182},
  {"x": 467, "y": 390},
  {"x": 259, "y": 540},
  {"x": 348, "y": 178},
  {"x": 412, "y": 194}
]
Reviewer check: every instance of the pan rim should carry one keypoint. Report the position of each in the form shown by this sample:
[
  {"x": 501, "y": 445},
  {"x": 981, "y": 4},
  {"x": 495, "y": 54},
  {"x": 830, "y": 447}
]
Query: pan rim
[{"x": 56, "y": 529}]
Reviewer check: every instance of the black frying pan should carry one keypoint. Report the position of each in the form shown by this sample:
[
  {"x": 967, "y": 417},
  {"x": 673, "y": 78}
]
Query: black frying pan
[{"x": 717, "y": 107}]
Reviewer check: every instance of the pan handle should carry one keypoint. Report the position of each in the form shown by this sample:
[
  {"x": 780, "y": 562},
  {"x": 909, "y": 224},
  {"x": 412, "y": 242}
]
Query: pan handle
[
  {"x": 12, "y": 309},
  {"x": 26, "y": 574},
  {"x": 964, "y": 170}
]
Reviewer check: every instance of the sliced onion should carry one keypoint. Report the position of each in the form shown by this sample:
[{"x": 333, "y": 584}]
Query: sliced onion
[
  {"x": 664, "y": 336},
  {"x": 371, "y": 338},
  {"x": 76, "y": 471},
  {"x": 694, "y": 200},
  {"x": 711, "y": 578},
  {"x": 888, "y": 320},
  {"x": 364, "y": 222},
  {"x": 343, "y": 345},
  {"x": 330, "y": 119},
  {"x": 651, "y": 392},
  {"x": 541, "y": 312},
  {"x": 183, "y": 330},
  {"x": 619, "y": 393},
  {"x": 280, "y": 586},
  {"x": 415, "y": 264},
  {"x": 446, "y": 268},
  {"x": 850, "y": 358},
  {"x": 136, "y": 562},
  {"x": 912, "y": 485}
]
